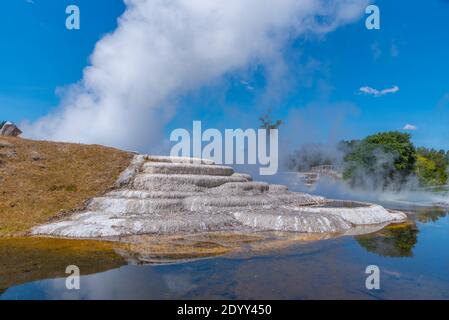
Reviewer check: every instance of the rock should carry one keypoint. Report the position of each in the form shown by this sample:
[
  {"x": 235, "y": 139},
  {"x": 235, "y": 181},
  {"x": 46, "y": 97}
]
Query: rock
[
  {"x": 5, "y": 144},
  {"x": 159, "y": 195},
  {"x": 9, "y": 153},
  {"x": 9, "y": 129},
  {"x": 243, "y": 175},
  {"x": 127, "y": 176},
  {"x": 36, "y": 156}
]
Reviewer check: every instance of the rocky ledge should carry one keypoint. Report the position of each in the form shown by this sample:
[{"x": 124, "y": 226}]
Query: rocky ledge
[{"x": 166, "y": 195}]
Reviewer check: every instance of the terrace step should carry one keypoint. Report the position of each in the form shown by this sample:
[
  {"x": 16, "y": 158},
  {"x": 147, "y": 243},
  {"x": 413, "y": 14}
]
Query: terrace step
[
  {"x": 169, "y": 159},
  {"x": 239, "y": 188},
  {"x": 92, "y": 224},
  {"x": 181, "y": 182},
  {"x": 208, "y": 203},
  {"x": 144, "y": 194},
  {"x": 136, "y": 206},
  {"x": 186, "y": 168}
]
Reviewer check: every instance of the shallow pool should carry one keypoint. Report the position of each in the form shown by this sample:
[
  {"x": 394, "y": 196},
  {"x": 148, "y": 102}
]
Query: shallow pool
[{"x": 413, "y": 261}]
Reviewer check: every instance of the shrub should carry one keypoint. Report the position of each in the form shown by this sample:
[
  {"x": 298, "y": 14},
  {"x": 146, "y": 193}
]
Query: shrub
[
  {"x": 380, "y": 161},
  {"x": 431, "y": 167}
]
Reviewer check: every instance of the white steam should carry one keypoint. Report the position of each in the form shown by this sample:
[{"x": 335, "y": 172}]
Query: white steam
[
  {"x": 162, "y": 49},
  {"x": 339, "y": 189},
  {"x": 373, "y": 185}
]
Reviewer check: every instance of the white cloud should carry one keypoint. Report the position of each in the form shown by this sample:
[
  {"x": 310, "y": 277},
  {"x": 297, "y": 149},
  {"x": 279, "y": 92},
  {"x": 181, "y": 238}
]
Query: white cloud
[
  {"x": 378, "y": 93},
  {"x": 162, "y": 49},
  {"x": 410, "y": 127}
]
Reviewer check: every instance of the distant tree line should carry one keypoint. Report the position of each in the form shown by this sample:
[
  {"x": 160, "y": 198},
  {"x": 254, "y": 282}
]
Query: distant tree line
[{"x": 432, "y": 166}]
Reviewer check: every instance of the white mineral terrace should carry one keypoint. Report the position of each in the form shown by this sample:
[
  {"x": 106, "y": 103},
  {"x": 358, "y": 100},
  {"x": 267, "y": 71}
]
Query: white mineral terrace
[{"x": 157, "y": 194}]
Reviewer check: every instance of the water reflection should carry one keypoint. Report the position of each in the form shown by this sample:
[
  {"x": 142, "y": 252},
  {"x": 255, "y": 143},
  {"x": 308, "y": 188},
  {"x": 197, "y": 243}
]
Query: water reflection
[
  {"x": 324, "y": 269},
  {"x": 399, "y": 240},
  {"x": 426, "y": 215},
  {"x": 28, "y": 259},
  {"x": 392, "y": 241}
]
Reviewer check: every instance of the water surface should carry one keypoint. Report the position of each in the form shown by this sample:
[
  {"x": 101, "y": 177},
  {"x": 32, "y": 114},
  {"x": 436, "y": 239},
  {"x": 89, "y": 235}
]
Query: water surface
[{"x": 413, "y": 259}]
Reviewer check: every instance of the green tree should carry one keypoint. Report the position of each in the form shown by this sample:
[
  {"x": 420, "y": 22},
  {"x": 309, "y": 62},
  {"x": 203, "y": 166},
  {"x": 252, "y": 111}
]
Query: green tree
[
  {"x": 381, "y": 160},
  {"x": 431, "y": 167}
]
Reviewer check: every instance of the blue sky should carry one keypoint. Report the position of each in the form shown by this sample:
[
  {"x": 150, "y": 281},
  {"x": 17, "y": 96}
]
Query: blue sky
[{"x": 321, "y": 84}]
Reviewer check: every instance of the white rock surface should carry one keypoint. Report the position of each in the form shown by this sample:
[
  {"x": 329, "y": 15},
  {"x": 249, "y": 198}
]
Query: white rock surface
[
  {"x": 158, "y": 194},
  {"x": 186, "y": 168}
]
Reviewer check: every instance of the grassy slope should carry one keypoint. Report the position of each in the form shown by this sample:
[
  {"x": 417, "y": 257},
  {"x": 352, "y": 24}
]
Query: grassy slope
[{"x": 59, "y": 178}]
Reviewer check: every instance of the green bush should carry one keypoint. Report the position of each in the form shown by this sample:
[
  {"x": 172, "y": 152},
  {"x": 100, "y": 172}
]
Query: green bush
[
  {"x": 381, "y": 160},
  {"x": 431, "y": 167}
]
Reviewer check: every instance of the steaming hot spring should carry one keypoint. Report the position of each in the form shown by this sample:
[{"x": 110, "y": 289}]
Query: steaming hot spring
[{"x": 166, "y": 195}]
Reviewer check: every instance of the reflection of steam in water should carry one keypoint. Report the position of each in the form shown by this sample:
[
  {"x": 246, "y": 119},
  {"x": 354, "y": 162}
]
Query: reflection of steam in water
[{"x": 392, "y": 241}]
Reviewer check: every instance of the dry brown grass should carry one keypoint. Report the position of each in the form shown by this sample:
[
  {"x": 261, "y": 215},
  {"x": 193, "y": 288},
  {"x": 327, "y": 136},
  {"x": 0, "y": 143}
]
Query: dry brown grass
[{"x": 39, "y": 180}]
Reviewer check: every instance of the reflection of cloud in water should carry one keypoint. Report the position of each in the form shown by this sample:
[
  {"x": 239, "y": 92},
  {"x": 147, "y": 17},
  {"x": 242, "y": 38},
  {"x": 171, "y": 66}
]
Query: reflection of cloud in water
[
  {"x": 179, "y": 283},
  {"x": 129, "y": 282},
  {"x": 132, "y": 282}
]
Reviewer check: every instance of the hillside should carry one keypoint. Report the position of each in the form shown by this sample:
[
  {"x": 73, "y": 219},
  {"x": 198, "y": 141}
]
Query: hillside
[{"x": 39, "y": 180}]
